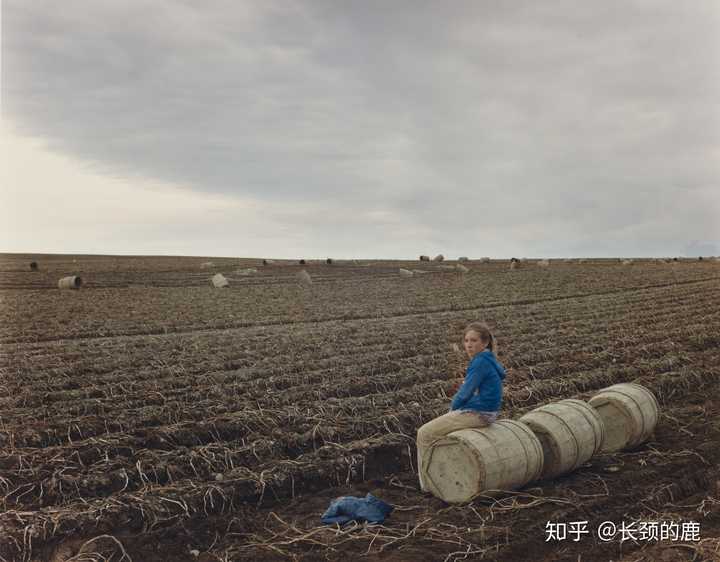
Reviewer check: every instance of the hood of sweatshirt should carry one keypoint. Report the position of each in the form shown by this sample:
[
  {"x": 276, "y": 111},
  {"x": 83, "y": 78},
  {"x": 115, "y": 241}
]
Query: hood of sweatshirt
[{"x": 489, "y": 356}]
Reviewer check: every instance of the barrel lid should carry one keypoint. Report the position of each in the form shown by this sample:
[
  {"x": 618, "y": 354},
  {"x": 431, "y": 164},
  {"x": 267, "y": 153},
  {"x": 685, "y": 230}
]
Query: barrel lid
[{"x": 455, "y": 471}]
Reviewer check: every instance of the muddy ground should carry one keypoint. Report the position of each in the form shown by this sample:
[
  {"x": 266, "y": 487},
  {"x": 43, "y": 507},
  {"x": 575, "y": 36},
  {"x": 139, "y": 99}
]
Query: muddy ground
[{"x": 151, "y": 417}]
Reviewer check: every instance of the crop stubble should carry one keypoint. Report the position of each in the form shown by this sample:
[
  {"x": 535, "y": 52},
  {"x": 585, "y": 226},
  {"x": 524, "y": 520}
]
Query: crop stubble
[{"x": 156, "y": 410}]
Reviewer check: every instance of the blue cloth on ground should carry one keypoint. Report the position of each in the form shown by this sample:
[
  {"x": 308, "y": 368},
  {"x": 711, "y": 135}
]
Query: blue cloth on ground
[{"x": 349, "y": 508}]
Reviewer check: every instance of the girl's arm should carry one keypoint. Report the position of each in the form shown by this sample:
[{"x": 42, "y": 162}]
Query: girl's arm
[{"x": 473, "y": 379}]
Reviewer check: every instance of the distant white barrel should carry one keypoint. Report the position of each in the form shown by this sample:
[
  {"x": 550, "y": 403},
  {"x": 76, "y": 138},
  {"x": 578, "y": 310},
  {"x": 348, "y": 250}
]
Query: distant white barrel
[
  {"x": 220, "y": 281},
  {"x": 629, "y": 412},
  {"x": 570, "y": 432},
  {"x": 405, "y": 273},
  {"x": 70, "y": 282},
  {"x": 304, "y": 277},
  {"x": 503, "y": 456}
]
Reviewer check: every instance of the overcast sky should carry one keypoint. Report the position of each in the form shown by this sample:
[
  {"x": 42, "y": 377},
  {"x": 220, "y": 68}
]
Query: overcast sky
[{"x": 361, "y": 129}]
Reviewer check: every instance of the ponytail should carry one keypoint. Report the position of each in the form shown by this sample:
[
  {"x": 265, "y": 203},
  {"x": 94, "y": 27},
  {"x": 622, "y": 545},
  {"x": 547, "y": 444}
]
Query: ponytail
[{"x": 485, "y": 334}]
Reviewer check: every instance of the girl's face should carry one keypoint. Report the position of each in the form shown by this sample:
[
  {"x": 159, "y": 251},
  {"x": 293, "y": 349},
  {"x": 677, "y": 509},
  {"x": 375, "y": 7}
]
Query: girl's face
[{"x": 473, "y": 343}]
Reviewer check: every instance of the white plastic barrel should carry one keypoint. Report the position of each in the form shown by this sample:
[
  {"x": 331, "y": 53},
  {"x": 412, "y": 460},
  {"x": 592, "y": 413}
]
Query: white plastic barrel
[
  {"x": 70, "y": 282},
  {"x": 304, "y": 277},
  {"x": 220, "y": 281},
  {"x": 629, "y": 412},
  {"x": 466, "y": 463},
  {"x": 570, "y": 432}
]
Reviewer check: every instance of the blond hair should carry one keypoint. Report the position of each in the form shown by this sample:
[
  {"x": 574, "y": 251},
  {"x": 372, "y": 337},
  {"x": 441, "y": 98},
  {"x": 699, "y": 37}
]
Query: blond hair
[{"x": 482, "y": 330}]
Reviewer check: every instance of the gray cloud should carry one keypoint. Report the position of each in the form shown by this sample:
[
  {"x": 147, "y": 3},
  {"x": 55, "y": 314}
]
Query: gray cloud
[{"x": 544, "y": 128}]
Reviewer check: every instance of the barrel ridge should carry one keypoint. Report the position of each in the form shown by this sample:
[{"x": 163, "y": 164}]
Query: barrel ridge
[
  {"x": 458, "y": 439},
  {"x": 525, "y": 435},
  {"x": 639, "y": 409},
  {"x": 647, "y": 392},
  {"x": 545, "y": 410},
  {"x": 481, "y": 448},
  {"x": 475, "y": 451},
  {"x": 592, "y": 417},
  {"x": 529, "y": 473},
  {"x": 645, "y": 423},
  {"x": 446, "y": 440},
  {"x": 480, "y": 461},
  {"x": 509, "y": 427},
  {"x": 539, "y": 456}
]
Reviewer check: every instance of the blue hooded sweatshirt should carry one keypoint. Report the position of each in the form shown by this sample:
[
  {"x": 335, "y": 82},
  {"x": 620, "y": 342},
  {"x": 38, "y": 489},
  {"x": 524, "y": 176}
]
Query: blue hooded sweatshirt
[{"x": 482, "y": 389}]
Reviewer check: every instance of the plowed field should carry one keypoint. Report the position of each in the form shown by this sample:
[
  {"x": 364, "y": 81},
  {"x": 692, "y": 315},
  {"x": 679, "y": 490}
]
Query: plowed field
[{"x": 149, "y": 416}]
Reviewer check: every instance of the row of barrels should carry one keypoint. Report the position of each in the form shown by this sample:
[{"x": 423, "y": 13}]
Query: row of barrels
[{"x": 545, "y": 443}]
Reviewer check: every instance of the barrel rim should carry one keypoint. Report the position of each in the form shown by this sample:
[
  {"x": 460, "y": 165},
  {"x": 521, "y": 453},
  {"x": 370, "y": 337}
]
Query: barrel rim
[
  {"x": 469, "y": 452},
  {"x": 647, "y": 425},
  {"x": 553, "y": 435},
  {"x": 529, "y": 442},
  {"x": 559, "y": 456}
]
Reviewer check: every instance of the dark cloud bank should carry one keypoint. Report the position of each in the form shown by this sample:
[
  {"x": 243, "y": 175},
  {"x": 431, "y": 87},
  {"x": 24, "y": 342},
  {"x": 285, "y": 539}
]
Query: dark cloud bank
[{"x": 489, "y": 128}]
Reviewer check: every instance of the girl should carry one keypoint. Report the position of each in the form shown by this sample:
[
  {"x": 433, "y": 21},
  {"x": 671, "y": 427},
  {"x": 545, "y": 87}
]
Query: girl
[{"x": 477, "y": 401}]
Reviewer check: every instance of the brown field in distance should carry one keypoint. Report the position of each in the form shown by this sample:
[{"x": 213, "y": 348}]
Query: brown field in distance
[{"x": 151, "y": 416}]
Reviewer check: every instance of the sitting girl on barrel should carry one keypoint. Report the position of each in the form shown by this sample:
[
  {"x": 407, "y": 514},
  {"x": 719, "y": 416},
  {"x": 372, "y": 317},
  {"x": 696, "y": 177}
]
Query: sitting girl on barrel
[{"x": 477, "y": 401}]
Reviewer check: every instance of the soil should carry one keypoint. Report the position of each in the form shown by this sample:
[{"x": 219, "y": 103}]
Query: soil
[{"x": 151, "y": 417}]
